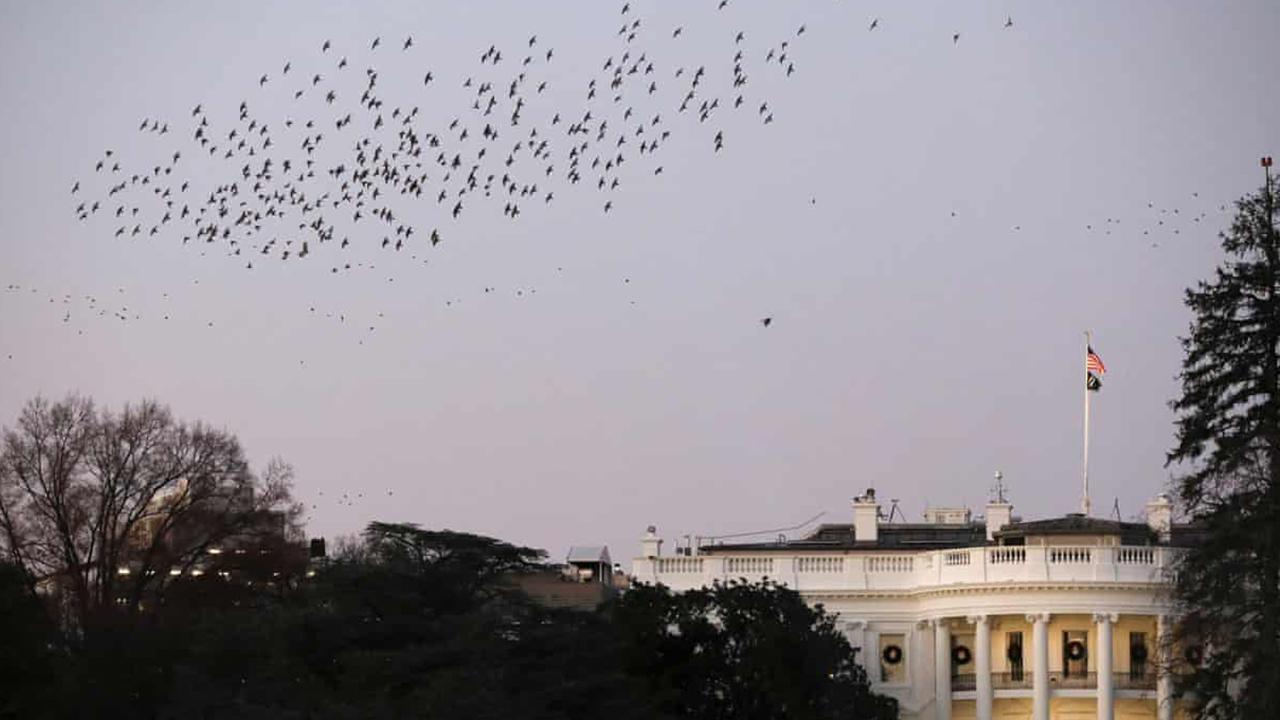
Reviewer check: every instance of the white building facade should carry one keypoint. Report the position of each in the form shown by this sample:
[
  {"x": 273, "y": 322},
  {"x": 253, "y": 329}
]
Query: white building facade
[{"x": 993, "y": 619}]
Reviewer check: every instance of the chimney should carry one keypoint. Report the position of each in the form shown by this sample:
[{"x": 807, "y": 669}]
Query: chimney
[
  {"x": 1160, "y": 516},
  {"x": 866, "y": 517},
  {"x": 999, "y": 514},
  {"x": 651, "y": 545}
]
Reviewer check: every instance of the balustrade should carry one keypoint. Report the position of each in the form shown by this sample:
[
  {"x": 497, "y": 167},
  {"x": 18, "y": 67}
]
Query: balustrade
[
  {"x": 749, "y": 565},
  {"x": 1011, "y": 680},
  {"x": 1061, "y": 555},
  {"x": 1136, "y": 555},
  {"x": 1135, "y": 680},
  {"x": 819, "y": 564},
  {"x": 1073, "y": 681},
  {"x": 889, "y": 563},
  {"x": 678, "y": 565},
  {"x": 1007, "y": 555},
  {"x": 924, "y": 569}
]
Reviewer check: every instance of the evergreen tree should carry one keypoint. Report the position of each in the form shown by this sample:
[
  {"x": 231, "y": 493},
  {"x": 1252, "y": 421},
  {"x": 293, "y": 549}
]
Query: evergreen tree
[{"x": 1228, "y": 438}]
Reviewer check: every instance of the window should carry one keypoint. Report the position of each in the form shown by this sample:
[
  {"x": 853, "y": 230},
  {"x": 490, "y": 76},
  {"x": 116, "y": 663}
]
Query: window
[
  {"x": 961, "y": 655},
  {"x": 1014, "y": 654},
  {"x": 893, "y": 658},
  {"x": 1137, "y": 655},
  {"x": 1075, "y": 653}
]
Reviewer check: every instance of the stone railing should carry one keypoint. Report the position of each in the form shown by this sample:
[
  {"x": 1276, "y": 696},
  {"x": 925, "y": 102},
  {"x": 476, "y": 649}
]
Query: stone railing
[
  {"x": 1011, "y": 680},
  {"x": 1135, "y": 680},
  {"x": 678, "y": 565},
  {"x": 1073, "y": 681},
  {"x": 862, "y": 570},
  {"x": 820, "y": 564}
]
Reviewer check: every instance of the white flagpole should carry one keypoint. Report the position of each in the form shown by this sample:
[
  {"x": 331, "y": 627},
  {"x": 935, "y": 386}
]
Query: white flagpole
[{"x": 1088, "y": 341}]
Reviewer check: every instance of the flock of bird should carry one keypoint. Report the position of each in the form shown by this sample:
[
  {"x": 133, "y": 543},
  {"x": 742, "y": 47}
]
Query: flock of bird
[
  {"x": 362, "y": 166},
  {"x": 364, "y": 161}
]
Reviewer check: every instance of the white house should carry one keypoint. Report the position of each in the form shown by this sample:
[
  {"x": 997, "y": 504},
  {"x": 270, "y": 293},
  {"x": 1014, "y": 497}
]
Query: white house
[{"x": 991, "y": 618}]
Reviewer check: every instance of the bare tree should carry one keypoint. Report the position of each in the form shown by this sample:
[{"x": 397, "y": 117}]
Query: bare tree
[{"x": 103, "y": 510}]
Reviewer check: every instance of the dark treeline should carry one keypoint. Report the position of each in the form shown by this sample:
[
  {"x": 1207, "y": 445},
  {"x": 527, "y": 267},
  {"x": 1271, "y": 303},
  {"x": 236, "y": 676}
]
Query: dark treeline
[
  {"x": 147, "y": 572},
  {"x": 418, "y": 623}
]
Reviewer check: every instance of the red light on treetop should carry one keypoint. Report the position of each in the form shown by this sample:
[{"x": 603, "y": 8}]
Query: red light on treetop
[{"x": 1266, "y": 161}]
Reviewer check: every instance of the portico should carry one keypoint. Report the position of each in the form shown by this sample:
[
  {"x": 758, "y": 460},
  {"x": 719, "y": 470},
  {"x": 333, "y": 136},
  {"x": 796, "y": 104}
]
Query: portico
[{"x": 1087, "y": 665}]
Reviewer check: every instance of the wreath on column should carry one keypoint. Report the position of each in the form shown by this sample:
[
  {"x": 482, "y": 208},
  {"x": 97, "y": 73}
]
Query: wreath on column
[
  {"x": 1076, "y": 650},
  {"x": 960, "y": 655},
  {"x": 892, "y": 655}
]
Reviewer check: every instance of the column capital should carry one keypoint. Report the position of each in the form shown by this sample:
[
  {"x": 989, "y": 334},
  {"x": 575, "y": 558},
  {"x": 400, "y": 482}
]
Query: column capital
[
  {"x": 977, "y": 619},
  {"x": 939, "y": 622},
  {"x": 1107, "y": 617},
  {"x": 1038, "y": 617},
  {"x": 855, "y": 625}
]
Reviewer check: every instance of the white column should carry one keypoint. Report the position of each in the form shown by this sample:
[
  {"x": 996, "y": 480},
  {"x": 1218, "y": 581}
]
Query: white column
[
  {"x": 982, "y": 659},
  {"x": 1164, "y": 680},
  {"x": 868, "y": 658},
  {"x": 942, "y": 668},
  {"x": 1040, "y": 666},
  {"x": 1106, "y": 681}
]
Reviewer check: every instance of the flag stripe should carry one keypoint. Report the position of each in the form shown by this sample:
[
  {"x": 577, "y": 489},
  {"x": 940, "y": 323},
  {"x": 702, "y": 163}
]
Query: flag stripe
[{"x": 1093, "y": 363}]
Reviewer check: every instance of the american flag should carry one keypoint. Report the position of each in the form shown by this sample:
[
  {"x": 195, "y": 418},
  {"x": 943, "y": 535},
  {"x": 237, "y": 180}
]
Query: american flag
[{"x": 1093, "y": 363}]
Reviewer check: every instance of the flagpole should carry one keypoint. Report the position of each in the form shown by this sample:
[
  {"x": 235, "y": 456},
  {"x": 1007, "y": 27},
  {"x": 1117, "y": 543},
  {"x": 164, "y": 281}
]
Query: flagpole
[{"x": 1088, "y": 341}]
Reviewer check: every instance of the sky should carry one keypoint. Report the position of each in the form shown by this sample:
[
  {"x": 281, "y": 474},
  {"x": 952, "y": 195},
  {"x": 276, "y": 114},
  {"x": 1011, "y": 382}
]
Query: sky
[{"x": 931, "y": 222}]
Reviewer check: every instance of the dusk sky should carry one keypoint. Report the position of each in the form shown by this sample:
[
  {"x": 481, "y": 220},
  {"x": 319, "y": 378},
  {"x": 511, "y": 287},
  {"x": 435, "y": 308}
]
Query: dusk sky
[{"x": 931, "y": 222}]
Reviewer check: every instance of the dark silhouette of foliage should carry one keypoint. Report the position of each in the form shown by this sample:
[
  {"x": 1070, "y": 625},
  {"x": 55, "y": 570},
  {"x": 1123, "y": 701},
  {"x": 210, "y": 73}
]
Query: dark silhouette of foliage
[
  {"x": 743, "y": 651},
  {"x": 1228, "y": 438},
  {"x": 105, "y": 510},
  {"x": 27, "y": 651},
  {"x": 428, "y": 624}
]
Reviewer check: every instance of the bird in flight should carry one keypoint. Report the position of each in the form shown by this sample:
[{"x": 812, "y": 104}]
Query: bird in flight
[
  {"x": 1008, "y": 22},
  {"x": 874, "y": 24},
  {"x": 766, "y": 321}
]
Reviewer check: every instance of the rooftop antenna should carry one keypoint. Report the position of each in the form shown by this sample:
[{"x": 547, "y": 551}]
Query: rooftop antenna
[
  {"x": 998, "y": 488},
  {"x": 895, "y": 511},
  {"x": 1115, "y": 510}
]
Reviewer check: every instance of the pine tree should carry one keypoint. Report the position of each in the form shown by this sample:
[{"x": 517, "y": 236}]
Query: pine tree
[{"x": 1228, "y": 440}]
